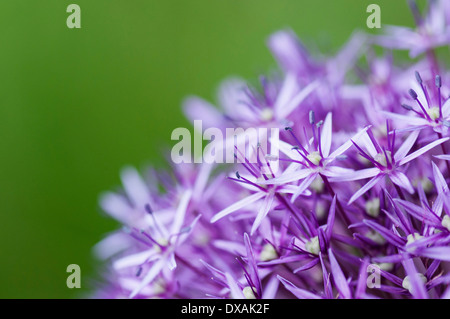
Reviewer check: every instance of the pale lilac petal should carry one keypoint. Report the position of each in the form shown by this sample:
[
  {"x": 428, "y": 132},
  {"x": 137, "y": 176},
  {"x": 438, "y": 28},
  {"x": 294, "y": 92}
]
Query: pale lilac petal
[
  {"x": 196, "y": 108},
  {"x": 387, "y": 234},
  {"x": 417, "y": 287},
  {"x": 263, "y": 211},
  {"x": 406, "y": 119},
  {"x": 443, "y": 157},
  {"x": 288, "y": 50},
  {"x": 232, "y": 97},
  {"x": 303, "y": 186},
  {"x": 134, "y": 259},
  {"x": 336, "y": 171},
  {"x": 307, "y": 266},
  {"x": 338, "y": 276},
  {"x": 136, "y": 189},
  {"x": 271, "y": 288},
  {"x": 150, "y": 276},
  {"x": 238, "y": 205},
  {"x": 357, "y": 175},
  {"x": 181, "y": 212},
  {"x": 235, "y": 291},
  {"x": 421, "y": 151},
  {"x": 440, "y": 253},
  {"x": 365, "y": 188},
  {"x": 418, "y": 212},
  {"x": 117, "y": 207},
  {"x": 288, "y": 150},
  {"x": 401, "y": 180},
  {"x": 292, "y": 189},
  {"x": 251, "y": 262},
  {"x": 294, "y": 103},
  {"x": 288, "y": 178},
  {"x": 340, "y": 150},
  {"x": 439, "y": 179},
  {"x": 298, "y": 292},
  {"x": 446, "y": 109},
  {"x": 404, "y": 149},
  {"x": 230, "y": 246},
  {"x": 331, "y": 217},
  {"x": 326, "y": 135}
]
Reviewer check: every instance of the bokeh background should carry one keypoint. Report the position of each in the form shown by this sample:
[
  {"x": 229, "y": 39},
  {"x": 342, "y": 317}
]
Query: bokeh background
[{"x": 77, "y": 105}]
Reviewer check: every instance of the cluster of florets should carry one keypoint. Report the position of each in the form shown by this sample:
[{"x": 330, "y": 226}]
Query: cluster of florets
[{"x": 359, "y": 206}]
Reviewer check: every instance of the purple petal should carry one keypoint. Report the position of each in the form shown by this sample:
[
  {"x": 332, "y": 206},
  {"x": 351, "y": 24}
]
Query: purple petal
[
  {"x": 298, "y": 292},
  {"x": 404, "y": 149},
  {"x": 263, "y": 211},
  {"x": 326, "y": 136},
  {"x": 338, "y": 276},
  {"x": 421, "y": 151},
  {"x": 401, "y": 180},
  {"x": 388, "y": 235},
  {"x": 238, "y": 205},
  {"x": 307, "y": 266},
  {"x": 365, "y": 188},
  {"x": 417, "y": 287}
]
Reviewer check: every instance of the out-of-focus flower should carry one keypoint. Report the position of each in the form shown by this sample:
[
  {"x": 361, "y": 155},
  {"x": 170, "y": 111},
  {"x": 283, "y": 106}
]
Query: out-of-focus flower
[{"x": 197, "y": 231}]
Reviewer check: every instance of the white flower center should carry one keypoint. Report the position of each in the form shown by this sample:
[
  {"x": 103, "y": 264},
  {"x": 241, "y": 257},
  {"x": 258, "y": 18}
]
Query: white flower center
[
  {"x": 314, "y": 157},
  {"x": 433, "y": 112},
  {"x": 386, "y": 266},
  {"x": 321, "y": 210},
  {"x": 446, "y": 222},
  {"x": 268, "y": 252},
  {"x": 249, "y": 292},
  {"x": 266, "y": 114},
  {"x": 381, "y": 158},
  {"x": 376, "y": 237},
  {"x": 373, "y": 207},
  {"x": 162, "y": 242},
  {"x": 312, "y": 246},
  {"x": 413, "y": 237},
  {"x": 317, "y": 184},
  {"x": 407, "y": 282}
]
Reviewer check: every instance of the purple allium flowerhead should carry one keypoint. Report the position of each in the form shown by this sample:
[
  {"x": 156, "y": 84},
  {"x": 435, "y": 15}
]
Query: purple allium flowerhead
[{"x": 357, "y": 205}]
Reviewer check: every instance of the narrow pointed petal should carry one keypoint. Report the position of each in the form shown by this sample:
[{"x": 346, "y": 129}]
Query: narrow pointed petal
[
  {"x": 330, "y": 219},
  {"x": 326, "y": 137},
  {"x": 418, "y": 212},
  {"x": 417, "y": 286},
  {"x": 387, "y": 234},
  {"x": 357, "y": 175},
  {"x": 307, "y": 266},
  {"x": 421, "y": 151},
  {"x": 298, "y": 292},
  {"x": 440, "y": 253},
  {"x": 263, "y": 211},
  {"x": 411, "y": 120},
  {"x": 404, "y": 149},
  {"x": 443, "y": 157},
  {"x": 235, "y": 291},
  {"x": 150, "y": 276},
  {"x": 439, "y": 179},
  {"x": 303, "y": 186},
  {"x": 252, "y": 264},
  {"x": 340, "y": 150},
  {"x": 238, "y": 205},
  {"x": 288, "y": 178},
  {"x": 297, "y": 100},
  {"x": 401, "y": 180},
  {"x": 338, "y": 276},
  {"x": 181, "y": 212},
  {"x": 136, "y": 189},
  {"x": 365, "y": 188}
]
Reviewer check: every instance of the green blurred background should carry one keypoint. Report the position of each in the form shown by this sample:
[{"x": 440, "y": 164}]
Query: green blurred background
[{"x": 76, "y": 105}]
